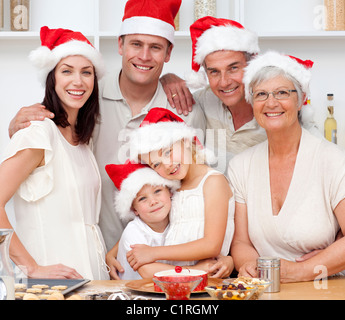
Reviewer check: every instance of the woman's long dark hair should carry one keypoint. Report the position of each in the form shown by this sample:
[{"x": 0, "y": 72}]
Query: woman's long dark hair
[{"x": 87, "y": 115}]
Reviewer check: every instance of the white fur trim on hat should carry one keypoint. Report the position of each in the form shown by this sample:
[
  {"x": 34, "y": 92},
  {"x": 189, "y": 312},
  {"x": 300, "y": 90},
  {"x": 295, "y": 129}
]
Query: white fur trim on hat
[
  {"x": 275, "y": 59},
  {"x": 156, "y": 136},
  {"x": 132, "y": 185},
  {"x": 45, "y": 59},
  {"x": 219, "y": 38},
  {"x": 196, "y": 80},
  {"x": 148, "y": 25}
]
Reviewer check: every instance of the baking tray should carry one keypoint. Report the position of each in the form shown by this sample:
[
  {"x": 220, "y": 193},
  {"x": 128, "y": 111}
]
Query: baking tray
[{"x": 71, "y": 284}]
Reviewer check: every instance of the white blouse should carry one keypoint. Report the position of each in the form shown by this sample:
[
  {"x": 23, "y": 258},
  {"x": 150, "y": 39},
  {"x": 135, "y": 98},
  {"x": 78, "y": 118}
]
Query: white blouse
[
  {"x": 306, "y": 220},
  {"x": 57, "y": 207}
]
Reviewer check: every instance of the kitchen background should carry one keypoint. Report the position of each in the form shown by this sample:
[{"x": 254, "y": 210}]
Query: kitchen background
[{"x": 294, "y": 27}]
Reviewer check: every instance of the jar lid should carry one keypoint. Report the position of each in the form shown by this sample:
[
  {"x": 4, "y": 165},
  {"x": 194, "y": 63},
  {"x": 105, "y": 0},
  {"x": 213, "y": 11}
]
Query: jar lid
[{"x": 268, "y": 262}]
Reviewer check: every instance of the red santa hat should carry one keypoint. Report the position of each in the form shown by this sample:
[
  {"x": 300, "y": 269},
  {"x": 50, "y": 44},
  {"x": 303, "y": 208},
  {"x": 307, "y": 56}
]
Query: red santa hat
[
  {"x": 150, "y": 17},
  {"x": 160, "y": 129},
  {"x": 129, "y": 178},
  {"x": 57, "y": 44},
  {"x": 295, "y": 67},
  {"x": 211, "y": 34}
]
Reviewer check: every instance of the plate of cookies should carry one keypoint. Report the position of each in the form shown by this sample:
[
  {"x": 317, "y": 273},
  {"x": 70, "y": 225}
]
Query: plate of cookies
[{"x": 46, "y": 289}]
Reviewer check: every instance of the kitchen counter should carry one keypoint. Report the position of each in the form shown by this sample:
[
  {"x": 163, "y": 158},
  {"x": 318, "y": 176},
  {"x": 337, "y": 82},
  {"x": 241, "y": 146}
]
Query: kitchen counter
[{"x": 331, "y": 289}]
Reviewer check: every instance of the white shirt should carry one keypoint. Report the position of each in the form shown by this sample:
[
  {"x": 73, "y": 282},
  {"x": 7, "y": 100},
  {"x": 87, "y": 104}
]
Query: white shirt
[
  {"x": 306, "y": 220},
  {"x": 136, "y": 232},
  {"x": 57, "y": 206},
  {"x": 221, "y": 135}
]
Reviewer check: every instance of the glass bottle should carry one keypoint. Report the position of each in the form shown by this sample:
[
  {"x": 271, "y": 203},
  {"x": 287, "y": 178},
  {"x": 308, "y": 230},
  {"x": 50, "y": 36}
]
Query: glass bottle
[
  {"x": 6, "y": 267},
  {"x": 204, "y": 8},
  {"x": 20, "y": 13},
  {"x": 330, "y": 125}
]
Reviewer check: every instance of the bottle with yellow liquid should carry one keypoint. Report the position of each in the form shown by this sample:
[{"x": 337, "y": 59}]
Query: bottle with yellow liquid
[{"x": 330, "y": 123}]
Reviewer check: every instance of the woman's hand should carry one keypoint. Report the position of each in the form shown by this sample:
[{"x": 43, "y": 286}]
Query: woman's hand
[
  {"x": 139, "y": 255},
  {"x": 56, "y": 271},
  {"x": 248, "y": 269}
]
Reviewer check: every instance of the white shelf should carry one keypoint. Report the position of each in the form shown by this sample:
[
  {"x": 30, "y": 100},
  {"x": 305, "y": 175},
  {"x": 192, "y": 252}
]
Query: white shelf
[
  {"x": 22, "y": 35},
  {"x": 302, "y": 35}
]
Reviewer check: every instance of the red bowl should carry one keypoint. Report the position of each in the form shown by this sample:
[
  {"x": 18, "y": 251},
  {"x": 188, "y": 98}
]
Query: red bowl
[{"x": 184, "y": 275}]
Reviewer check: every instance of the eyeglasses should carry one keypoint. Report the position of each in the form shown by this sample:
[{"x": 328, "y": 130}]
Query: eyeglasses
[{"x": 279, "y": 94}]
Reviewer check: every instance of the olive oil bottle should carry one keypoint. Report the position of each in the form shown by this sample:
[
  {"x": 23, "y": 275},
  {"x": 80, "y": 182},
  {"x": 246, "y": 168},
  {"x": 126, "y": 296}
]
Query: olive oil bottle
[{"x": 330, "y": 125}]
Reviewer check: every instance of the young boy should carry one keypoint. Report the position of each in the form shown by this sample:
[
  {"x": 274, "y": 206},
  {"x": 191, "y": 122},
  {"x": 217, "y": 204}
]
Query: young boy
[{"x": 145, "y": 198}]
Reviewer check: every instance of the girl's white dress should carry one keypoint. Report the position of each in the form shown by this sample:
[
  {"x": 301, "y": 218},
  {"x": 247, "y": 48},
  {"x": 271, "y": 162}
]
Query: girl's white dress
[
  {"x": 57, "y": 206},
  {"x": 187, "y": 219},
  {"x": 306, "y": 220}
]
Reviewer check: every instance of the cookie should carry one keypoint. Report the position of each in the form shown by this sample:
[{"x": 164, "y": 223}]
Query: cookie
[
  {"x": 40, "y": 286},
  {"x": 75, "y": 297},
  {"x": 30, "y": 296},
  {"x": 61, "y": 288},
  {"x": 34, "y": 290},
  {"x": 19, "y": 286},
  {"x": 56, "y": 296}
]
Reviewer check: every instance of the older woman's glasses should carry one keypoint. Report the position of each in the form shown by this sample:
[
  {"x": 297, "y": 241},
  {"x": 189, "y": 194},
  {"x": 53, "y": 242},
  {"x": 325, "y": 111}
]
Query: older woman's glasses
[{"x": 279, "y": 94}]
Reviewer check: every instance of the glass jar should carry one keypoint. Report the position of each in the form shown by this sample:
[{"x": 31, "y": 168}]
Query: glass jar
[
  {"x": 334, "y": 15},
  {"x": 6, "y": 267},
  {"x": 204, "y": 8},
  {"x": 20, "y": 14}
]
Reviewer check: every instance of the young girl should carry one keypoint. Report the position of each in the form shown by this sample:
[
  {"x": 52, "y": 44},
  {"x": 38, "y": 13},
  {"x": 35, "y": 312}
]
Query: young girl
[
  {"x": 201, "y": 220},
  {"x": 51, "y": 171}
]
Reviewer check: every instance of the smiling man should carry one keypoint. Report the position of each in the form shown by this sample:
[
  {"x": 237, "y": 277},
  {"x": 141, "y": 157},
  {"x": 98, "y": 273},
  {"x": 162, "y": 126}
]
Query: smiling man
[
  {"x": 223, "y": 48},
  {"x": 145, "y": 42}
]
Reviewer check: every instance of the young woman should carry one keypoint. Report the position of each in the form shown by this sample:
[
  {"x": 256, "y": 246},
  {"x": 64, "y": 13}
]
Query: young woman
[{"x": 50, "y": 169}]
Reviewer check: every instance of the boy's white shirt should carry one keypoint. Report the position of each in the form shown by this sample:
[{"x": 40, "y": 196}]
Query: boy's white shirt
[{"x": 137, "y": 232}]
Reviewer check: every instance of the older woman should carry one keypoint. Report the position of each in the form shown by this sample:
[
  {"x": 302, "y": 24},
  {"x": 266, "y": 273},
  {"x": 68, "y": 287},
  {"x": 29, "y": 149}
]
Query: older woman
[{"x": 290, "y": 189}]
